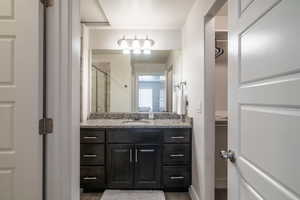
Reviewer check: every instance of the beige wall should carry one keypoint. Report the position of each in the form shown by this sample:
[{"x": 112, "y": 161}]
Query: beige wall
[
  {"x": 221, "y": 87},
  {"x": 221, "y": 23},
  {"x": 121, "y": 75},
  {"x": 193, "y": 73}
]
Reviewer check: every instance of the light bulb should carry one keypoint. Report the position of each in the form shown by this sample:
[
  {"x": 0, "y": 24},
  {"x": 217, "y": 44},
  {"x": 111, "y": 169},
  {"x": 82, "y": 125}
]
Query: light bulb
[
  {"x": 147, "y": 44},
  {"x": 124, "y": 44},
  {"x": 136, "y": 44}
]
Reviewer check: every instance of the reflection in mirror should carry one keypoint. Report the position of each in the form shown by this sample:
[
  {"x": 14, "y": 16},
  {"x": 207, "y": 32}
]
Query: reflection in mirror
[{"x": 132, "y": 83}]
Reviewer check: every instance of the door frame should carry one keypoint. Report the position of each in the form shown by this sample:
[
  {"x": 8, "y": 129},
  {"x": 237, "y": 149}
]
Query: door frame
[
  {"x": 64, "y": 99},
  {"x": 209, "y": 94},
  {"x": 63, "y": 59}
]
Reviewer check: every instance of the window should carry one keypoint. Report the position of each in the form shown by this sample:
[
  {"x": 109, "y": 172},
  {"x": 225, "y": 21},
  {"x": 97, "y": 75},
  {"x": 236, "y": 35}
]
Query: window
[
  {"x": 145, "y": 100},
  {"x": 151, "y": 93}
]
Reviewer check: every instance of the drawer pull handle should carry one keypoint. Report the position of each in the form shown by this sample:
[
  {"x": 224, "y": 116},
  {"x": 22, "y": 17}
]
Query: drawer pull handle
[
  {"x": 89, "y": 178},
  {"x": 90, "y": 137},
  {"x": 176, "y": 177},
  {"x": 130, "y": 156},
  {"x": 176, "y": 155},
  {"x": 177, "y": 137},
  {"x": 147, "y": 150},
  {"x": 90, "y": 156},
  {"x": 136, "y": 156}
]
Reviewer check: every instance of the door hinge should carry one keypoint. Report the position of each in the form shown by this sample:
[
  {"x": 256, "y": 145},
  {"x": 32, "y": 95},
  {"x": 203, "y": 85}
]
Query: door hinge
[
  {"x": 46, "y": 126},
  {"x": 48, "y": 3}
]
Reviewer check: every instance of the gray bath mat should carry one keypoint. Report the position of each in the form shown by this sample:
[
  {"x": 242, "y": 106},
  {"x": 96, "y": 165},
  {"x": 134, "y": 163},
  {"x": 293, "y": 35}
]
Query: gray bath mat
[{"x": 133, "y": 195}]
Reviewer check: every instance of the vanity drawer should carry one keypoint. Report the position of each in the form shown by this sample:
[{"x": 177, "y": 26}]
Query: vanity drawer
[
  {"x": 129, "y": 136},
  {"x": 176, "y": 154},
  {"x": 92, "y": 154},
  {"x": 177, "y": 135},
  {"x": 92, "y": 178},
  {"x": 176, "y": 177},
  {"x": 92, "y": 136}
]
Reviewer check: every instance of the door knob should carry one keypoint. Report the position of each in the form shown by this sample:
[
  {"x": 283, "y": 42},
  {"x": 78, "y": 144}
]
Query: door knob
[{"x": 228, "y": 155}]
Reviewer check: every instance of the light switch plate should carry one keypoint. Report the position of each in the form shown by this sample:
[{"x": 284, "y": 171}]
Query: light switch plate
[{"x": 199, "y": 108}]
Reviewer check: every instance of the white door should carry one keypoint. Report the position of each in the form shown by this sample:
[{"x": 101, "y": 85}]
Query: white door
[
  {"x": 20, "y": 149},
  {"x": 264, "y": 110}
]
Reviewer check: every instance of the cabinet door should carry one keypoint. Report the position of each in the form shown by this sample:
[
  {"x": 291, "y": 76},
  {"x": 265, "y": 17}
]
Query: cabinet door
[
  {"x": 147, "y": 166},
  {"x": 120, "y": 166}
]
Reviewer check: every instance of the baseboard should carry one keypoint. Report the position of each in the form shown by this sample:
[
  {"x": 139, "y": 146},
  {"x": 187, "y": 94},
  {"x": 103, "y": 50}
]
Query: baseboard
[
  {"x": 193, "y": 194},
  {"x": 221, "y": 183}
]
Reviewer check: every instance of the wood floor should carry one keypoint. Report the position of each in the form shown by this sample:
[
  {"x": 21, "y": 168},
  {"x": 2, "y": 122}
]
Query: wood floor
[
  {"x": 169, "y": 196},
  {"x": 221, "y": 194}
]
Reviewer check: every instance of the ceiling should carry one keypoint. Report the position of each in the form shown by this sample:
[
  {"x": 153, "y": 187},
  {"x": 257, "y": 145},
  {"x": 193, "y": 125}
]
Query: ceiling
[
  {"x": 91, "y": 11},
  {"x": 143, "y": 14}
]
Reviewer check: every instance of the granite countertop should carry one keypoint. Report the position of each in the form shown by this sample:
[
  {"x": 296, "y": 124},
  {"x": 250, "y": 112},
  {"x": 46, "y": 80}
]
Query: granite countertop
[{"x": 119, "y": 123}]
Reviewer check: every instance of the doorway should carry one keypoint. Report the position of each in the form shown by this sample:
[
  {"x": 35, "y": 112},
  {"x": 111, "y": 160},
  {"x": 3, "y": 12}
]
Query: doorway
[
  {"x": 221, "y": 116},
  {"x": 216, "y": 91}
]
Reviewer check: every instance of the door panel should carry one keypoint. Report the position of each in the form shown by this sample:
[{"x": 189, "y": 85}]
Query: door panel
[
  {"x": 20, "y": 145},
  {"x": 248, "y": 193},
  {"x": 262, "y": 183},
  {"x": 147, "y": 166},
  {"x": 275, "y": 131},
  {"x": 269, "y": 31},
  {"x": 120, "y": 165},
  {"x": 264, "y": 100},
  {"x": 244, "y": 4}
]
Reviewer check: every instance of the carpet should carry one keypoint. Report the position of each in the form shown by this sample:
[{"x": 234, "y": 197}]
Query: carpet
[{"x": 133, "y": 195}]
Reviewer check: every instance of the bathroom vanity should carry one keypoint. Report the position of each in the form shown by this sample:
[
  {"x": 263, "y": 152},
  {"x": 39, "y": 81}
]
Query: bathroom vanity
[{"x": 130, "y": 154}]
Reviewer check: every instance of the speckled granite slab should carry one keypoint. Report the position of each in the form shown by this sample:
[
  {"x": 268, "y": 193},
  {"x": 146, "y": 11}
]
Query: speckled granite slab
[
  {"x": 116, "y": 115},
  {"x": 125, "y": 123}
]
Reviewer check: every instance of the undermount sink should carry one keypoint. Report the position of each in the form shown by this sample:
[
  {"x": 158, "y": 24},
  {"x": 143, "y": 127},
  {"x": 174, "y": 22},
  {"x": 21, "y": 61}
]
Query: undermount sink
[{"x": 136, "y": 122}]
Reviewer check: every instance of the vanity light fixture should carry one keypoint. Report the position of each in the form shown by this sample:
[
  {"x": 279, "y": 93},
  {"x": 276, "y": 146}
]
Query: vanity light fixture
[{"x": 136, "y": 46}]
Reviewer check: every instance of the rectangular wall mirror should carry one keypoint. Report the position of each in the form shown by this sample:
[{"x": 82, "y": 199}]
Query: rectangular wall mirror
[{"x": 133, "y": 83}]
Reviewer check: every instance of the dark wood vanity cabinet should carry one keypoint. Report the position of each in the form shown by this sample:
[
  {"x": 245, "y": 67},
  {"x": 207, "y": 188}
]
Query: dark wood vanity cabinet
[
  {"x": 92, "y": 160},
  {"x": 147, "y": 166},
  {"x": 120, "y": 168},
  {"x": 133, "y": 166},
  {"x": 136, "y": 159}
]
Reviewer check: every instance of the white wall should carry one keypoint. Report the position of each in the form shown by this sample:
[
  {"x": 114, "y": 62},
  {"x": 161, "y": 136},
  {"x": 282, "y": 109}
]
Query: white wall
[
  {"x": 193, "y": 73},
  {"x": 121, "y": 75},
  {"x": 149, "y": 68},
  {"x": 175, "y": 60},
  {"x": 85, "y": 73},
  {"x": 107, "y": 38}
]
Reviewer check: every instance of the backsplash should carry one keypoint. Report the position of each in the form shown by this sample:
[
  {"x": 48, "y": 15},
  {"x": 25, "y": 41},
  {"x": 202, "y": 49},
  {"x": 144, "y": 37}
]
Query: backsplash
[{"x": 133, "y": 116}]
